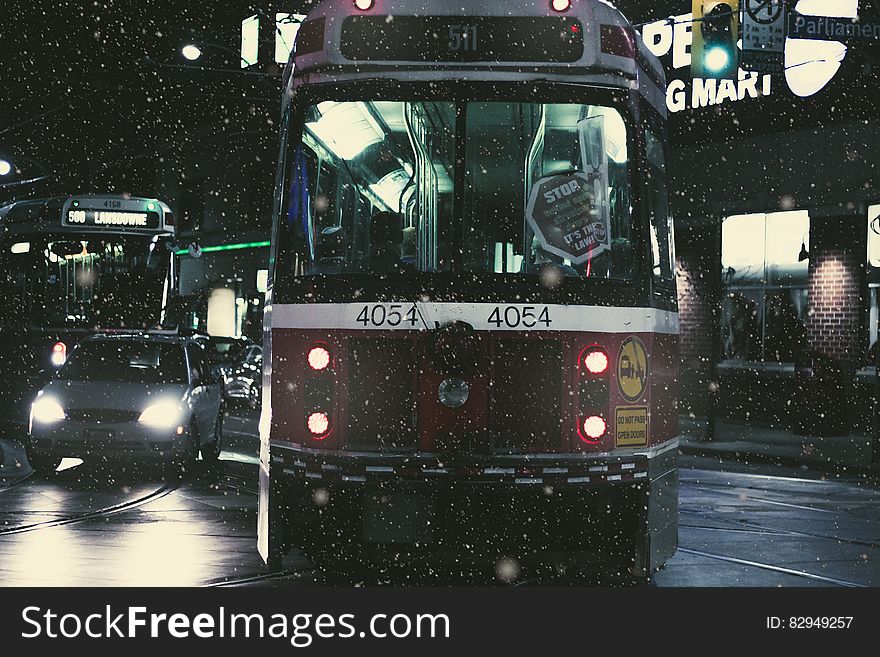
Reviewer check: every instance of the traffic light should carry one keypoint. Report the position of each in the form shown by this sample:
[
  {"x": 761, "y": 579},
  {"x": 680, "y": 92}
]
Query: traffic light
[{"x": 715, "y": 53}]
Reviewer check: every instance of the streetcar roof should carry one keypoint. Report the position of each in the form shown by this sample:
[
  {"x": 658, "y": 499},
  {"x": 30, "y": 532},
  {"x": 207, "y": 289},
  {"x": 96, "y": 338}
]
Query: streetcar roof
[{"x": 613, "y": 53}]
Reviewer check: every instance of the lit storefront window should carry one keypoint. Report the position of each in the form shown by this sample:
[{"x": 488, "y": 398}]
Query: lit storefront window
[{"x": 765, "y": 261}]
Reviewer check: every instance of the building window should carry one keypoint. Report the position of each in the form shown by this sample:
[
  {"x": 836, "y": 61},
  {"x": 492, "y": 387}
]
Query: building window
[{"x": 764, "y": 260}]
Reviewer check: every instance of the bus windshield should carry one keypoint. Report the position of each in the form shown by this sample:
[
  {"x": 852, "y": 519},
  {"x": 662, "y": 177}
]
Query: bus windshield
[
  {"x": 389, "y": 187},
  {"x": 84, "y": 281}
]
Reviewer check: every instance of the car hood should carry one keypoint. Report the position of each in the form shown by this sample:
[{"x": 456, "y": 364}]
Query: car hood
[{"x": 111, "y": 395}]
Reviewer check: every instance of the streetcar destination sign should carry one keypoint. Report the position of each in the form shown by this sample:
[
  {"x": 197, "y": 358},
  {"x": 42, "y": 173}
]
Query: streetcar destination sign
[
  {"x": 111, "y": 218},
  {"x": 440, "y": 39},
  {"x": 111, "y": 212}
]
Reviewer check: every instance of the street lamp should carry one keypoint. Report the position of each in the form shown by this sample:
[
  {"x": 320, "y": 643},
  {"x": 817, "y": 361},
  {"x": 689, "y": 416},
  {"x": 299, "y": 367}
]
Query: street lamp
[
  {"x": 192, "y": 52},
  {"x": 5, "y": 168}
]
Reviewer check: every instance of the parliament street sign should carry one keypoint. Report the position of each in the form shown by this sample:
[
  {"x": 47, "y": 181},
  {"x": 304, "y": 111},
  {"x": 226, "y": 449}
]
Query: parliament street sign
[{"x": 801, "y": 26}]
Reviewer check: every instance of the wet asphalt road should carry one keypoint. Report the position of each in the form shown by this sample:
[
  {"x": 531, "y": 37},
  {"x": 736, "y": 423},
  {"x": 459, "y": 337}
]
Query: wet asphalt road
[{"x": 739, "y": 526}]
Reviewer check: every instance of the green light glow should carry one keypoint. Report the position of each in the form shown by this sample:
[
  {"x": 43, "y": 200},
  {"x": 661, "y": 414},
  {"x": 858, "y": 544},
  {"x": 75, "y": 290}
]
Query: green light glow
[{"x": 227, "y": 247}]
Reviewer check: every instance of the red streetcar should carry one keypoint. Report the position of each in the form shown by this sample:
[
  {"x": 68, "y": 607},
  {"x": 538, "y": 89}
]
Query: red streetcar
[{"x": 471, "y": 329}]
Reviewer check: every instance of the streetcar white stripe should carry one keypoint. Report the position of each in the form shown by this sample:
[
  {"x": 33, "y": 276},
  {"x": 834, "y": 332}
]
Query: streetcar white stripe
[{"x": 482, "y": 316}]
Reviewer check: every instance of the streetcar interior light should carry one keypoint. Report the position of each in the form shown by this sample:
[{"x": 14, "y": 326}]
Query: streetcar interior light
[
  {"x": 363, "y": 5},
  {"x": 59, "y": 354},
  {"x": 347, "y": 129},
  {"x": 319, "y": 358},
  {"x": 595, "y": 427},
  {"x": 615, "y": 133},
  {"x": 21, "y": 247},
  {"x": 319, "y": 424},
  {"x": 560, "y": 5},
  {"x": 596, "y": 362}
]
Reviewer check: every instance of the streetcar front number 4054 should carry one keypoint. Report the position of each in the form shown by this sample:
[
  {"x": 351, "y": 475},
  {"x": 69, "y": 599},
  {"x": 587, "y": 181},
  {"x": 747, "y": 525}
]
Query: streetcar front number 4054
[{"x": 520, "y": 317}]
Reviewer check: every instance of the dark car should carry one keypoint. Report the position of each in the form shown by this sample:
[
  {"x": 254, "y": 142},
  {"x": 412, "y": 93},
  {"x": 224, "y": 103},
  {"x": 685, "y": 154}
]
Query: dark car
[
  {"x": 243, "y": 383},
  {"x": 224, "y": 353}
]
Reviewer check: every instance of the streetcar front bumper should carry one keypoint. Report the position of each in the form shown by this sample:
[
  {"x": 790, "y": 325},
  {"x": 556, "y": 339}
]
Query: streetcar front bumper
[{"x": 613, "y": 504}]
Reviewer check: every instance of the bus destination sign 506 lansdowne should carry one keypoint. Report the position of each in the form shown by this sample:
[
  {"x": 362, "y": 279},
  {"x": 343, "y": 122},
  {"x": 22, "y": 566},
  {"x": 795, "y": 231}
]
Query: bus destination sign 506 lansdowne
[
  {"x": 452, "y": 39},
  {"x": 112, "y": 213}
]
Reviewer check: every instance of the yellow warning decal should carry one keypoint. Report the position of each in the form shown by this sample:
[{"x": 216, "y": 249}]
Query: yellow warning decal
[
  {"x": 631, "y": 426},
  {"x": 632, "y": 369}
]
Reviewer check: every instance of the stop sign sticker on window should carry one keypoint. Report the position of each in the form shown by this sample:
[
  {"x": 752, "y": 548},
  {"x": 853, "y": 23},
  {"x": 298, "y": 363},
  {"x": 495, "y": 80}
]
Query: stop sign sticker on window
[{"x": 570, "y": 216}]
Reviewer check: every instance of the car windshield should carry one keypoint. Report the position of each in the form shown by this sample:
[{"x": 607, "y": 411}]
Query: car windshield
[
  {"x": 378, "y": 187},
  {"x": 94, "y": 281},
  {"x": 126, "y": 362}
]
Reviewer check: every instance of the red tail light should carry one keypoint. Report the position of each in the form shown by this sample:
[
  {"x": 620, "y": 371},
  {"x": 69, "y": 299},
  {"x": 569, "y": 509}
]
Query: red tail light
[
  {"x": 319, "y": 425},
  {"x": 59, "y": 354},
  {"x": 319, "y": 358},
  {"x": 596, "y": 361},
  {"x": 594, "y": 428},
  {"x": 594, "y": 394}
]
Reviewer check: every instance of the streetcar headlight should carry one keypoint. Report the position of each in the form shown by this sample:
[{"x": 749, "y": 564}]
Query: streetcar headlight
[
  {"x": 594, "y": 428},
  {"x": 46, "y": 410},
  {"x": 319, "y": 425},
  {"x": 319, "y": 358},
  {"x": 364, "y": 5},
  {"x": 560, "y": 5},
  {"x": 596, "y": 361},
  {"x": 163, "y": 414}
]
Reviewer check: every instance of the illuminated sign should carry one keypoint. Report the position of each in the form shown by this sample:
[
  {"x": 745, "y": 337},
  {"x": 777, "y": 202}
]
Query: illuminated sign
[
  {"x": 111, "y": 218},
  {"x": 675, "y": 37},
  {"x": 809, "y": 63},
  {"x": 463, "y": 39}
]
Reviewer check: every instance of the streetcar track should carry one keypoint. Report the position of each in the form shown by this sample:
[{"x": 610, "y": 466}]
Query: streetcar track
[
  {"x": 771, "y": 567},
  {"x": 242, "y": 489},
  {"x": 93, "y": 515},
  {"x": 741, "y": 496},
  {"x": 262, "y": 577},
  {"x": 18, "y": 482},
  {"x": 749, "y": 527}
]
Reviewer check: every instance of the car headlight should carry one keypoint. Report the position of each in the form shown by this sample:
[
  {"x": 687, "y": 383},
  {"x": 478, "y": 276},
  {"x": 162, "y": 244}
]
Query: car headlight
[
  {"x": 46, "y": 410},
  {"x": 162, "y": 415}
]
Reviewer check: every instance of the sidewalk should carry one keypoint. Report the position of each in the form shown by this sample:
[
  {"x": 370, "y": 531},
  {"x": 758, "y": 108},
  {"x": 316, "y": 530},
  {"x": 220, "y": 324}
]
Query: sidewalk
[{"x": 849, "y": 455}]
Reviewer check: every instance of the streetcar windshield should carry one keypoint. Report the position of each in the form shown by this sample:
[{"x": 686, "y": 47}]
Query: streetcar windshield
[
  {"x": 388, "y": 187},
  {"x": 84, "y": 281}
]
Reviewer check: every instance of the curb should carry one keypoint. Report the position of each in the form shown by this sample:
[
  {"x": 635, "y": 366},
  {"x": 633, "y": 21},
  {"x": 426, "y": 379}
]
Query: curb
[{"x": 857, "y": 470}]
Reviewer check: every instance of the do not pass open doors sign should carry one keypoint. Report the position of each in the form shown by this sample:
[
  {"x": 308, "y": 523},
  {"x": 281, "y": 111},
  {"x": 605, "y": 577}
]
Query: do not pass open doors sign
[{"x": 569, "y": 212}]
